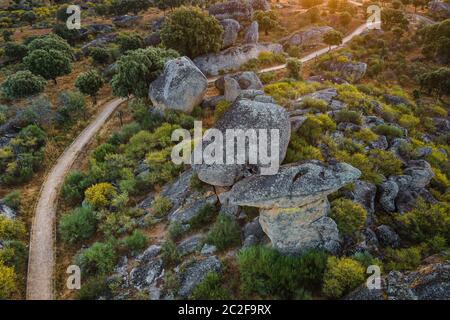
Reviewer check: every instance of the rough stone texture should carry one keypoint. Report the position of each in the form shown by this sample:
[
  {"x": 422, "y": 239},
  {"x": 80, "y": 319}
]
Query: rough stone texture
[
  {"x": 259, "y": 5},
  {"x": 190, "y": 244},
  {"x": 246, "y": 80},
  {"x": 152, "y": 40},
  {"x": 389, "y": 191},
  {"x": 381, "y": 143},
  {"x": 293, "y": 186},
  {"x": 232, "y": 58},
  {"x": 245, "y": 114},
  {"x": 420, "y": 172},
  {"x": 439, "y": 9},
  {"x": 350, "y": 71},
  {"x": 238, "y": 10},
  {"x": 394, "y": 100},
  {"x": 7, "y": 212},
  {"x": 145, "y": 275},
  {"x": 208, "y": 249},
  {"x": 181, "y": 86},
  {"x": 196, "y": 272},
  {"x": 186, "y": 213},
  {"x": 387, "y": 237},
  {"x": 252, "y": 33},
  {"x": 309, "y": 37},
  {"x": 98, "y": 42},
  {"x": 231, "y": 89},
  {"x": 149, "y": 253},
  {"x": 364, "y": 193},
  {"x": 294, "y": 204},
  {"x": 126, "y": 21},
  {"x": 230, "y": 32}
]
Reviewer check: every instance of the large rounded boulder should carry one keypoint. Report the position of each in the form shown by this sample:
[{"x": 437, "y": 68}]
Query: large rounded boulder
[{"x": 181, "y": 86}]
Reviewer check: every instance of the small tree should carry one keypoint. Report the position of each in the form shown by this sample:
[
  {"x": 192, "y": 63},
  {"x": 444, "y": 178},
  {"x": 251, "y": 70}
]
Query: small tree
[
  {"x": 89, "y": 83},
  {"x": 30, "y": 17},
  {"x": 191, "y": 32},
  {"x": 48, "y": 64},
  {"x": 267, "y": 20},
  {"x": 345, "y": 18},
  {"x": 15, "y": 51},
  {"x": 137, "y": 69},
  {"x": 129, "y": 42},
  {"x": 436, "y": 82},
  {"x": 51, "y": 42},
  {"x": 333, "y": 38},
  {"x": 23, "y": 84},
  {"x": 294, "y": 66}
]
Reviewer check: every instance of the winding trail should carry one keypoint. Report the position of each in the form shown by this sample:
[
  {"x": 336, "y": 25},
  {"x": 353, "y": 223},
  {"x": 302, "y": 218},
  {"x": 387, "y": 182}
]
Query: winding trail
[
  {"x": 40, "y": 281},
  {"x": 42, "y": 240}
]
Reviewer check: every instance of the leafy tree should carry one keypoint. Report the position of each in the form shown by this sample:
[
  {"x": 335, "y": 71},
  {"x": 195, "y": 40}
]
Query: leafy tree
[
  {"x": 137, "y": 69},
  {"x": 100, "y": 55},
  {"x": 50, "y": 42},
  {"x": 89, "y": 83},
  {"x": 30, "y": 17},
  {"x": 345, "y": 18},
  {"x": 23, "y": 84},
  {"x": 71, "y": 35},
  {"x": 15, "y": 51},
  {"x": 436, "y": 82},
  {"x": 191, "y": 32},
  {"x": 129, "y": 42},
  {"x": 48, "y": 64},
  {"x": 391, "y": 18},
  {"x": 333, "y": 38},
  {"x": 78, "y": 224},
  {"x": 267, "y": 20}
]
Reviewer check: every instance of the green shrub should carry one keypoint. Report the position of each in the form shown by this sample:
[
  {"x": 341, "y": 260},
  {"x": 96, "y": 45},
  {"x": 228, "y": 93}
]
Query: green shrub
[
  {"x": 129, "y": 41},
  {"x": 15, "y": 51},
  {"x": 348, "y": 116},
  {"x": 426, "y": 221},
  {"x": 224, "y": 233},
  {"x": 388, "y": 131},
  {"x": 93, "y": 288},
  {"x": 349, "y": 216},
  {"x": 341, "y": 276},
  {"x": 169, "y": 253},
  {"x": 204, "y": 216},
  {"x": 14, "y": 253},
  {"x": 135, "y": 242},
  {"x": 315, "y": 126},
  {"x": 317, "y": 105},
  {"x": 23, "y": 84},
  {"x": 293, "y": 66},
  {"x": 385, "y": 162},
  {"x": 175, "y": 230},
  {"x": 403, "y": 259},
  {"x": 299, "y": 150},
  {"x": 78, "y": 224},
  {"x": 267, "y": 273},
  {"x": 11, "y": 229},
  {"x": 13, "y": 199},
  {"x": 71, "y": 104},
  {"x": 161, "y": 206},
  {"x": 221, "y": 108},
  {"x": 98, "y": 259},
  {"x": 100, "y": 55},
  {"x": 210, "y": 288},
  {"x": 366, "y": 259},
  {"x": 73, "y": 187}
]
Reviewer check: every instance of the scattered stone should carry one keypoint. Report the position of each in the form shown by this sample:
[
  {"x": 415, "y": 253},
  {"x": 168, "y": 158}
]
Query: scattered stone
[
  {"x": 350, "y": 71},
  {"x": 190, "y": 244},
  {"x": 208, "y": 249},
  {"x": 196, "y": 272},
  {"x": 98, "y": 42},
  {"x": 364, "y": 193},
  {"x": 185, "y": 213},
  {"x": 126, "y": 21},
  {"x": 212, "y": 64},
  {"x": 394, "y": 100},
  {"x": 7, "y": 212},
  {"x": 231, "y": 88},
  {"x": 145, "y": 275},
  {"x": 181, "y": 86},
  {"x": 389, "y": 191},
  {"x": 149, "y": 253},
  {"x": 246, "y": 80},
  {"x": 387, "y": 236},
  {"x": 420, "y": 172}
]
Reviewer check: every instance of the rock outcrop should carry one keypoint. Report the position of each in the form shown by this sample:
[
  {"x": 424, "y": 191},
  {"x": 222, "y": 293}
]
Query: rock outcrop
[
  {"x": 309, "y": 37},
  {"x": 439, "y": 9},
  {"x": 6, "y": 211},
  {"x": 430, "y": 282},
  {"x": 196, "y": 272},
  {"x": 230, "y": 32},
  {"x": 252, "y": 33},
  {"x": 181, "y": 86},
  {"x": 126, "y": 21},
  {"x": 246, "y": 114},
  {"x": 232, "y": 58},
  {"x": 237, "y": 10},
  {"x": 246, "y": 80},
  {"x": 293, "y": 204},
  {"x": 350, "y": 71}
]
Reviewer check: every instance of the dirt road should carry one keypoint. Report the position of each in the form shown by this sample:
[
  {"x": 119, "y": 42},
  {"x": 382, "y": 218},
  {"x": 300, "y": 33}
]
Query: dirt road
[{"x": 42, "y": 240}]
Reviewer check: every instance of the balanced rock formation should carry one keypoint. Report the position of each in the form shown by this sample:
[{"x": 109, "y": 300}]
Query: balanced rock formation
[
  {"x": 246, "y": 114},
  {"x": 181, "y": 86},
  {"x": 230, "y": 32},
  {"x": 294, "y": 204},
  {"x": 212, "y": 64}
]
